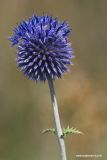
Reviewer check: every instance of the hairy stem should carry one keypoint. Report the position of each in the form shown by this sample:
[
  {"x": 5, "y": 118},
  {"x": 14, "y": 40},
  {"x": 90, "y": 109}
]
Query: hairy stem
[{"x": 57, "y": 120}]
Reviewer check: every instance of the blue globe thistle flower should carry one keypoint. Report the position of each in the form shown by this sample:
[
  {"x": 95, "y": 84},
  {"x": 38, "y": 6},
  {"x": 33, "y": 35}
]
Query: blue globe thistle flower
[{"x": 43, "y": 50}]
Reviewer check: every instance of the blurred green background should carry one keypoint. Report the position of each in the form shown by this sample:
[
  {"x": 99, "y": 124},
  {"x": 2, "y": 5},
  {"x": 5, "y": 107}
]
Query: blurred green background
[{"x": 25, "y": 107}]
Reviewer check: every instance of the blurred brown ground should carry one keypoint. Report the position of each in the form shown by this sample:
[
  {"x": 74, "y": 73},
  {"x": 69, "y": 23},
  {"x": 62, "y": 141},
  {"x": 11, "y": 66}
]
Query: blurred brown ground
[{"x": 82, "y": 94}]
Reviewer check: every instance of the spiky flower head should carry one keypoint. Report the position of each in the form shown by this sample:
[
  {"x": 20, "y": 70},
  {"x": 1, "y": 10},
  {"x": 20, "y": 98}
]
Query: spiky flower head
[{"x": 43, "y": 49}]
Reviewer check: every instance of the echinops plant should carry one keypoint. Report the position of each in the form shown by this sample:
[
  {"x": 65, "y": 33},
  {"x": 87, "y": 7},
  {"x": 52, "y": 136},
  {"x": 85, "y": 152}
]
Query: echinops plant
[{"x": 43, "y": 54}]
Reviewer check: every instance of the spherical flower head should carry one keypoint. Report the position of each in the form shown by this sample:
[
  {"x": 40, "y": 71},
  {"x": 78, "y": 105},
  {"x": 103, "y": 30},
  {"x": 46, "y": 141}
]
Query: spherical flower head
[{"x": 43, "y": 50}]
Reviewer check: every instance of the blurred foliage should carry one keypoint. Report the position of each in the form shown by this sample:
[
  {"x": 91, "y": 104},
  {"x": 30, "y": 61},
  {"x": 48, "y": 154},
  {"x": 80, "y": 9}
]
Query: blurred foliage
[{"x": 82, "y": 94}]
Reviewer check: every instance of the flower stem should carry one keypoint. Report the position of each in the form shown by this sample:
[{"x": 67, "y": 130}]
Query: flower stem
[{"x": 57, "y": 120}]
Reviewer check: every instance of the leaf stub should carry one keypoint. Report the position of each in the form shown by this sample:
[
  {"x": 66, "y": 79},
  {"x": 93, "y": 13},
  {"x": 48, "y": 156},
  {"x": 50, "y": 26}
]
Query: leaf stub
[
  {"x": 49, "y": 130},
  {"x": 66, "y": 131}
]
